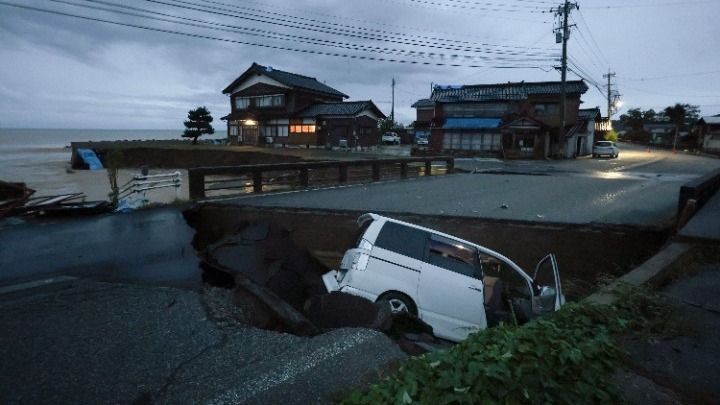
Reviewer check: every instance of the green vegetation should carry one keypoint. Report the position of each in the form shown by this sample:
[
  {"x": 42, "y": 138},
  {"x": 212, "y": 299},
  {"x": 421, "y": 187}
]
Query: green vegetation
[
  {"x": 611, "y": 136},
  {"x": 569, "y": 357}
]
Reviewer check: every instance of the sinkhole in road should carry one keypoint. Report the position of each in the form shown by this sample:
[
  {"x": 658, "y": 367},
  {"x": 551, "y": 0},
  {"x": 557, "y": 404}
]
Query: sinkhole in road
[{"x": 586, "y": 253}]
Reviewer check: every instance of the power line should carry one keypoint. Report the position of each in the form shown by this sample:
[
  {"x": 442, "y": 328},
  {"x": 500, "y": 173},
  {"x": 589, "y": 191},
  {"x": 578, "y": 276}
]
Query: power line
[
  {"x": 671, "y": 76},
  {"x": 597, "y": 47},
  {"x": 294, "y": 38},
  {"x": 648, "y": 5},
  {"x": 268, "y": 46}
]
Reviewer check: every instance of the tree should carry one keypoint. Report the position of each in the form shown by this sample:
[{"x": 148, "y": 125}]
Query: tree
[
  {"x": 635, "y": 119},
  {"x": 388, "y": 125},
  {"x": 198, "y": 124},
  {"x": 683, "y": 116}
]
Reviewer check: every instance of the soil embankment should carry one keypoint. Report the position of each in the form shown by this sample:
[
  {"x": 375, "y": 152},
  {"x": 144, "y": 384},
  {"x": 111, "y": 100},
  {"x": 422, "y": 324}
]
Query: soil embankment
[{"x": 168, "y": 155}]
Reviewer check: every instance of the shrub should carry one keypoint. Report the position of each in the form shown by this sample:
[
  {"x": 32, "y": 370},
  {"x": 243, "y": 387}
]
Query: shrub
[{"x": 568, "y": 358}]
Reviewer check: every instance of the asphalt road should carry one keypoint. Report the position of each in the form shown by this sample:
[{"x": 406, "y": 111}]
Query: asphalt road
[
  {"x": 638, "y": 188},
  {"x": 151, "y": 245}
]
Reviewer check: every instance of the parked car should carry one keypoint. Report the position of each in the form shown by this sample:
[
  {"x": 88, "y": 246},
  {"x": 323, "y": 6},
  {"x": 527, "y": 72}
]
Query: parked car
[
  {"x": 391, "y": 138},
  {"x": 422, "y": 140},
  {"x": 605, "y": 148},
  {"x": 455, "y": 286}
]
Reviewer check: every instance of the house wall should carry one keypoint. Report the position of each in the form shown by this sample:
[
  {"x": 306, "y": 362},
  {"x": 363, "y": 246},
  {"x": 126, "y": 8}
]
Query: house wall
[
  {"x": 361, "y": 130},
  {"x": 711, "y": 138},
  {"x": 257, "y": 79},
  {"x": 425, "y": 115}
]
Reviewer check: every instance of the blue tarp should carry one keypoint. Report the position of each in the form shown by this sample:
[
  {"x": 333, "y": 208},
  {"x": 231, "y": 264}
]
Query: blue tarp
[
  {"x": 471, "y": 123},
  {"x": 90, "y": 158}
]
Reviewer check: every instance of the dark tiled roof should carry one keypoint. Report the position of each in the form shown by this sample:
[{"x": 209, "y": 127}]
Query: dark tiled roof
[
  {"x": 289, "y": 79},
  {"x": 503, "y": 91},
  {"x": 588, "y": 113},
  {"x": 342, "y": 108},
  {"x": 425, "y": 102}
]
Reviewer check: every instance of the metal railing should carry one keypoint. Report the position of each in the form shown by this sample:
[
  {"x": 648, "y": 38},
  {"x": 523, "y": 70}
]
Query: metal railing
[
  {"x": 141, "y": 183},
  {"x": 256, "y": 178}
]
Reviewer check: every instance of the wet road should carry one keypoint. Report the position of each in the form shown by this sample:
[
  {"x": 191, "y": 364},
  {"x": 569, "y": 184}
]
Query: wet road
[
  {"x": 150, "y": 245},
  {"x": 638, "y": 188}
]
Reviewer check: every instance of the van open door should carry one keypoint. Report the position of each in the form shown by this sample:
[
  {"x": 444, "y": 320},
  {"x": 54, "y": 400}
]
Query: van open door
[{"x": 548, "y": 296}]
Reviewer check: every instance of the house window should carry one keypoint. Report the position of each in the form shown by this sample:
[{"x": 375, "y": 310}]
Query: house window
[
  {"x": 242, "y": 102},
  {"x": 274, "y": 100},
  {"x": 470, "y": 141},
  {"x": 546, "y": 109},
  {"x": 275, "y": 130},
  {"x": 302, "y": 129},
  {"x": 474, "y": 110}
]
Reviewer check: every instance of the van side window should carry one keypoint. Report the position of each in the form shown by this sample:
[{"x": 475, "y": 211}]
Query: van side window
[
  {"x": 453, "y": 255},
  {"x": 403, "y": 240}
]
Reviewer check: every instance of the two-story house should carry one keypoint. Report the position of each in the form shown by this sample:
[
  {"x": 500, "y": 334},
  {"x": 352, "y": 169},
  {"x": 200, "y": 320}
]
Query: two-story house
[
  {"x": 510, "y": 119},
  {"x": 273, "y": 106}
]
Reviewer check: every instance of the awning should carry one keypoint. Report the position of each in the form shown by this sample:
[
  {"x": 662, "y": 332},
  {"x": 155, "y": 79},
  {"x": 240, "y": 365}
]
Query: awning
[
  {"x": 471, "y": 123},
  {"x": 572, "y": 130}
]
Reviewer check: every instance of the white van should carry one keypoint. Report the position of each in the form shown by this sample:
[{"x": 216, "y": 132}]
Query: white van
[{"x": 455, "y": 286}]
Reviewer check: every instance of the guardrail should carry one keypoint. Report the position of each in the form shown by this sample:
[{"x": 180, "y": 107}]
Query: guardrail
[
  {"x": 140, "y": 183},
  {"x": 287, "y": 175},
  {"x": 694, "y": 194}
]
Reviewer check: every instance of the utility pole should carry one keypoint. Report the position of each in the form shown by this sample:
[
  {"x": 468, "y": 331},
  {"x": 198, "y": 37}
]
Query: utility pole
[
  {"x": 392, "y": 108},
  {"x": 609, "y": 93},
  {"x": 563, "y": 11}
]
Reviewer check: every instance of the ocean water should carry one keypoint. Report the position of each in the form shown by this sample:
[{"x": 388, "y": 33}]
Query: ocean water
[{"x": 40, "y": 157}]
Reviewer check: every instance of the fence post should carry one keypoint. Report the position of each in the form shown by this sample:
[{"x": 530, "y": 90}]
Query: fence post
[
  {"x": 304, "y": 176},
  {"x": 450, "y": 165},
  {"x": 376, "y": 171},
  {"x": 342, "y": 173},
  {"x": 403, "y": 170},
  {"x": 196, "y": 186},
  {"x": 257, "y": 180},
  {"x": 428, "y": 167}
]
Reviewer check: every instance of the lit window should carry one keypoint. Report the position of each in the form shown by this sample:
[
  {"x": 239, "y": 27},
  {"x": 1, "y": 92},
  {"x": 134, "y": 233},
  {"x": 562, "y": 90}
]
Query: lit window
[{"x": 302, "y": 129}]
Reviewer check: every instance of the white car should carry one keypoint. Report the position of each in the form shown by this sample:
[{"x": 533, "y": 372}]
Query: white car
[
  {"x": 605, "y": 148},
  {"x": 391, "y": 137},
  {"x": 455, "y": 286},
  {"x": 422, "y": 140}
]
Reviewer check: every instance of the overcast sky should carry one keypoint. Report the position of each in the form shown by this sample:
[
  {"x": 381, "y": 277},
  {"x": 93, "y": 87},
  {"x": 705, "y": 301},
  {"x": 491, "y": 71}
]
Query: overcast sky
[{"x": 131, "y": 64}]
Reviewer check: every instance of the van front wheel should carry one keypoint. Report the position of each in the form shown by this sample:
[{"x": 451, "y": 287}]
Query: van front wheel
[{"x": 399, "y": 302}]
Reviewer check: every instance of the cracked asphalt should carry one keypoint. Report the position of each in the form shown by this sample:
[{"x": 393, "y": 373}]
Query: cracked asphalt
[{"x": 80, "y": 341}]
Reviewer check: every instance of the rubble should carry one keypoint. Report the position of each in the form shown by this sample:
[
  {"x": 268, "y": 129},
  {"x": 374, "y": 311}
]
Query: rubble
[{"x": 279, "y": 285}]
